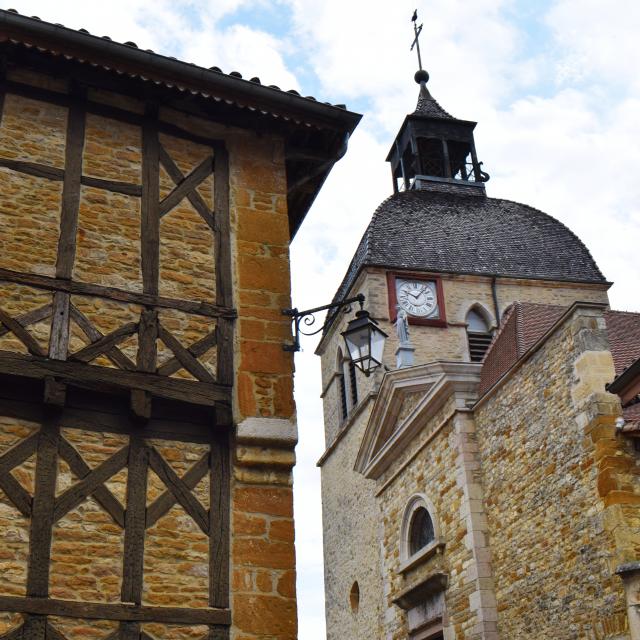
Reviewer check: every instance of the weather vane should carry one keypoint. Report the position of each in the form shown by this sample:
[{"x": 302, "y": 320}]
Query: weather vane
[{"x": 416, "y": 42}]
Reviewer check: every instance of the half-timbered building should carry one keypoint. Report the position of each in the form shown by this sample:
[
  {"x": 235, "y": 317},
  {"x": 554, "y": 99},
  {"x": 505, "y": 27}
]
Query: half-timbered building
[{"x": 147, "y": 422}]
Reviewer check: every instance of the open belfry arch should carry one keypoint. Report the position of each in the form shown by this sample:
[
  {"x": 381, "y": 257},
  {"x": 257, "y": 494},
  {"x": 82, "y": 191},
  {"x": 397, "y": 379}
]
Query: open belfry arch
[{"x": 146, "y": 413}]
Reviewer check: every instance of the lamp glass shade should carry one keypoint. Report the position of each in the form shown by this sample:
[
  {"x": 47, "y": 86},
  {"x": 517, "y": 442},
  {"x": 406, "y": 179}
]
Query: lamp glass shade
[{"x": 365, "y": 342}]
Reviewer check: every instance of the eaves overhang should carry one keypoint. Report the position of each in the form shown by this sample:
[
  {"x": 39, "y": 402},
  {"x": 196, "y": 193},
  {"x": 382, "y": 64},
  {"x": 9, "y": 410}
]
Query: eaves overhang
[
  {"x": 315, "y": 133},
  {"x": 388, "y": 432}
]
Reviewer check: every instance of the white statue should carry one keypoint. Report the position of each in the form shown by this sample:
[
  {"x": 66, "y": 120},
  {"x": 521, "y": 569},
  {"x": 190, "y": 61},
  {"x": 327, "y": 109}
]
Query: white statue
[{"x": 402, "y": 325}]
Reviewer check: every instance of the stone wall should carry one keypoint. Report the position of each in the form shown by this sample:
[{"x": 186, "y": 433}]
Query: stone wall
[
  {"x": 108, "y": 253},
  {"x": 263, "y": 555},
  {"x": 347, "y": 497},
  {"x": 438, "y": 343},
  {"x": 551, "y": 464},
  {"x": 351, "y": 525},
  {"x": 428, "y": 467}
]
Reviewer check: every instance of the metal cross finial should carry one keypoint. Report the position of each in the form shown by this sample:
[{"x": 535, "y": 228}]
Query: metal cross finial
[{"x": 416, "y": 42}]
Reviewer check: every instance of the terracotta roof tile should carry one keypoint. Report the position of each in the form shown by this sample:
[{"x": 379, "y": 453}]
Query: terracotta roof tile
[
  {"x": 523, "y": 325},
  {"x": 624, "y": 337}
]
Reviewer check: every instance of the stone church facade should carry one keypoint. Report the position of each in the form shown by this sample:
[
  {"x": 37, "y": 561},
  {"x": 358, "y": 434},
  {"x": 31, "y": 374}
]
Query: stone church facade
[
  {"x": 147, "y": 422},
  {"x": 477, "y": 485}
]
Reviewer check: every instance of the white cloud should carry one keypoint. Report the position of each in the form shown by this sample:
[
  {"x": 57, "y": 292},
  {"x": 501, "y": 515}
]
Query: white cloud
[
  {"x": 558, "y": 129},
  {"x": 597, "y": 42}
]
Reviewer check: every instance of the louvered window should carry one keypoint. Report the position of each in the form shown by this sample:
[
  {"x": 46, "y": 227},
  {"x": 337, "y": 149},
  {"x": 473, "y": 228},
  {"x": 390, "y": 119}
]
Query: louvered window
[
  {"x": 479, "y": 336},
  {"x": 431, "y": 155},
  {"x": 343, "y": 407},
  {"x": 344, "y": 410},
  {"x": 353, "y": 384}
]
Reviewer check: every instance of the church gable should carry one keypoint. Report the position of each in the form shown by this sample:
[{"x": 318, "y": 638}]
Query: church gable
[{"x": 405, "y": 402}]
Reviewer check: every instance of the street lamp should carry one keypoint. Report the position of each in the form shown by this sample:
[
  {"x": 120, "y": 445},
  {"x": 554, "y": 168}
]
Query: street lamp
[
  {"x": 365, "y": 342},
  {"x": 364, "y": 339}
]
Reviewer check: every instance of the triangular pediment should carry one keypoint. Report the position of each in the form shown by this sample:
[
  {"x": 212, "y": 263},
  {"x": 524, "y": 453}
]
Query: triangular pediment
[{"x": 405, "y": 401}]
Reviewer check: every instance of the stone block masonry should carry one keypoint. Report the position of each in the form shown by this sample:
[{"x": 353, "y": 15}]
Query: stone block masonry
[
  {"x": 557, "y": 482},
  {"x": 87, "y": 545}
]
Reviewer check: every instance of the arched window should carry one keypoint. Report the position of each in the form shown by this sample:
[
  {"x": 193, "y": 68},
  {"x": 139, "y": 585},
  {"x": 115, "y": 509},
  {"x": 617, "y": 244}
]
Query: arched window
[
  {"x": 343, "y": 408},
  {"x": 479, "y": 335},
  {"x": 419, "y": 528},
  {"x": 421, "y": 531}
]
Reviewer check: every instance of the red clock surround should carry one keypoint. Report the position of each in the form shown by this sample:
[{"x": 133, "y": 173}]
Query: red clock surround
[{"x": 392, "y": 276}]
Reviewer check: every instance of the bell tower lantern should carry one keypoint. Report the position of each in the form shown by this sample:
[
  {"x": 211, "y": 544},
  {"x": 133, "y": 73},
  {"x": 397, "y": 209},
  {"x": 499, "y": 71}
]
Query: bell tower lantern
[{"x": 432, "y": 147}]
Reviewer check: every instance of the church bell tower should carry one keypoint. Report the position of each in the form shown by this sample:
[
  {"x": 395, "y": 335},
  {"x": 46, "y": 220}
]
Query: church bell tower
[{"x": 435, "y": 150}]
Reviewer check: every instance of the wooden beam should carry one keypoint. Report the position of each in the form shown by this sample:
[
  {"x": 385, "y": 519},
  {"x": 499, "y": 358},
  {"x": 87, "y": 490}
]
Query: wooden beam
[
  {"x": 181, "y": 492},
  {"x": 105, "y": 420},
  {"x": 31, "y": 317},
  {"x": 92, "y": 481},
  {"x": 105, "y": 343},
  {"x": 103, "y": 379},
  {"x": 104, "y": 611},
  {"x": 14, "y": 634},
  {"x": 150, "y": 218},
  {"x": 224, "y": 285},
  {"x": 21, "y": 333},
  {"x": 33, "y": 169},
  {"x": 146, "y": 360},
  {"x": 194, "y": 197},
  {"x": 186, "y": 359},
  {"x": 17, "y": 454},
  {"x": 71, "y": 186},
  {"x": 135, "y": 525},
  {"x": 81, "y": 469},
  {"x": 197, "y": 349},
  {"x": 53, "y": 634},
  {"x": 59, "y": 336},
  {"x": 42, "y": 511},
  {"x": 163, "y": 503},
  {"x": 54, "y": 173},
  {"x": 129, "y": 631},
  {"x": 114, "y": 354},
  {"x": 115, "y": 186},
  {"x": 187, "y": 185},
  {"x": 111, "y": 293},
  {"x": 55, "y": 393},
  {"x": 217, "y": 632},
  {"x": 219, "y": 504},
  {"x": 35, "y": 628},
  {"x": 17, "y": 494}
]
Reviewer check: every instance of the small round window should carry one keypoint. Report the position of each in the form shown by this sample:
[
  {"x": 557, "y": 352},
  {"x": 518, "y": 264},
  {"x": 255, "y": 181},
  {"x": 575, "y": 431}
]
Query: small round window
[{"x": 421, "y": 531}]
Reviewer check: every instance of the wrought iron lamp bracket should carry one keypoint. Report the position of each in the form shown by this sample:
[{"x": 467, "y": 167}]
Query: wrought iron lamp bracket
[{"x": 308, "y": 319}]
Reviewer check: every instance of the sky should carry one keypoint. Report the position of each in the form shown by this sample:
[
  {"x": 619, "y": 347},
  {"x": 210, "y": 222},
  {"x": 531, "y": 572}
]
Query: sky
[{"x": 553, "y": 85}]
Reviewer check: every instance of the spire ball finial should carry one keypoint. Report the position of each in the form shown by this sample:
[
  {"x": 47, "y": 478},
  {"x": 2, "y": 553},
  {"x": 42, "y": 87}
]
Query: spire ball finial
[{"x": 421, "y": 76}]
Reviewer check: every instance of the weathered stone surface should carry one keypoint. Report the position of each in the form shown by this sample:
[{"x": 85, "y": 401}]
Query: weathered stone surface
[{"x": 87, "y": 544}]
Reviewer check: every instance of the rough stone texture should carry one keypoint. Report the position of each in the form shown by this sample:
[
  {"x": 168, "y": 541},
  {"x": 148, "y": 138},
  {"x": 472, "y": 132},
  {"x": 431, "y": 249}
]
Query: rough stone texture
[
  {"x": 87, "y": 545},
  {"x": 431, "y": 471},
  {"x": 350, "y": 512},
  {"x": 547, "y": 435},
  {"x": 349, "y": 507},
  {"x": 461, "y": 293}
]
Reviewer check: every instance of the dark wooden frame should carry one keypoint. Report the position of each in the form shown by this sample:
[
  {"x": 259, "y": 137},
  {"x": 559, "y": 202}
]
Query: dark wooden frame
[
  {"x": 392, "y": 276},
  {"x": 139, "y": 399},
  {"x": 45, "y": 508},
  {"x": 152, "y": 209}
]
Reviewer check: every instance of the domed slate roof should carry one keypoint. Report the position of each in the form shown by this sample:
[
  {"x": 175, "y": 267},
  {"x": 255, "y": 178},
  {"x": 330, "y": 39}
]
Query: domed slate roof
[{"x": 425, "y": 230}]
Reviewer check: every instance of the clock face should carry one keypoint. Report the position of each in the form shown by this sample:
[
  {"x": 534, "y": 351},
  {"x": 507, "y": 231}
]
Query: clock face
[{"x": 418, "y": 297}]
